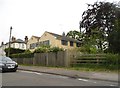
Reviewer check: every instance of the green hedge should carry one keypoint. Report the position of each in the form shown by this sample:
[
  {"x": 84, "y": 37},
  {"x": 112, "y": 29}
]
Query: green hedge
[
  {"x": 22, "y": 55},
  {"x": 13, "y": 51}
]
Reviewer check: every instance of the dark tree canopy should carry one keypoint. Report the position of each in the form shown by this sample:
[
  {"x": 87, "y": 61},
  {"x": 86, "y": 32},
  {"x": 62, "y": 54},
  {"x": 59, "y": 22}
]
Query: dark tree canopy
[
  {"x": 114, "y": 37},
  {"x": 99, "y": 16},
  {"x": 99, "y": 20}
]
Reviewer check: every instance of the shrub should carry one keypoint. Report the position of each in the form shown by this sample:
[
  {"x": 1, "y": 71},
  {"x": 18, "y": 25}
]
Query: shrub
[
  {"x": 14, "y": 51},
  {"x": 27, "y": 51},
  {"x": 113, "y": 59},
  {"x": 88, "y": 49},
  {"x": 55, "y": 49},
  {"x": 22, "y": 55},
  {"x": 44, "y": 49}
]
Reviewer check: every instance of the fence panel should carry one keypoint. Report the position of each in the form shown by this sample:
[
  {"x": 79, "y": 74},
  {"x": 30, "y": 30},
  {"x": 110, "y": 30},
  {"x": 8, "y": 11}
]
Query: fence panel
[
  {"x": 28, "y": 61},
  {"x": 89, "y": 59},
  {"x": 51, "y": 59}
]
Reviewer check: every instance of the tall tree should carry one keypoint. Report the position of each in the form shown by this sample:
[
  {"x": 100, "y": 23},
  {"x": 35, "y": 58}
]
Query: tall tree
[
  {"x": 98, "y": 21},
  {"x": 114, "y": 37},
  {"x": 74, "y": 34}
]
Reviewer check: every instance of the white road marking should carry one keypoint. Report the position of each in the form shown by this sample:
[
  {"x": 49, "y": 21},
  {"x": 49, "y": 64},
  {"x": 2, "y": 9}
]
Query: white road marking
[
  {"x": 112, "y": 85},
  {"x": 38, "y": 73},
  {"x": 27, "y": 72},
  {"x": 32, "y": 72},
  {"x": 94, "y": 82},
  {"x": 83, "y": 80}
]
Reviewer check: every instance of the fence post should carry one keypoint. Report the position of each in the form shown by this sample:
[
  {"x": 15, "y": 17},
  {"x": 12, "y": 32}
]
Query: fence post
[
  {"x": 67, "y": 58},
  {"x": 46, "y": 59}
]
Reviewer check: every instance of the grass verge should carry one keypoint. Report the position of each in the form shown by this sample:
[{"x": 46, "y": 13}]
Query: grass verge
[{"x": 87, "y": 67}]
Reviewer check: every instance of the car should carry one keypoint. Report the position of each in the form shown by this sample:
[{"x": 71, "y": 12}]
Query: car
[{"x": 7, "y": 64}]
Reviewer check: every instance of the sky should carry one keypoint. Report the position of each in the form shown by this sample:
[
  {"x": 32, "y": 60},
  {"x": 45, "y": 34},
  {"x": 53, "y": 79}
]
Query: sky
[{"x": 34, "y": 17}]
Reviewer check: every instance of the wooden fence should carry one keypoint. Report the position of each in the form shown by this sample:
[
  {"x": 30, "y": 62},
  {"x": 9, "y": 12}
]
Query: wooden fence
[
  {"x": 61, "y": 58},
  {"x": 89, "y": 59}
]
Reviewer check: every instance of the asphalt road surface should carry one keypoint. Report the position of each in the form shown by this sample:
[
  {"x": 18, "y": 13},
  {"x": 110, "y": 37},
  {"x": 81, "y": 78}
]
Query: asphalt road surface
[{"x": 27, "y": 78}]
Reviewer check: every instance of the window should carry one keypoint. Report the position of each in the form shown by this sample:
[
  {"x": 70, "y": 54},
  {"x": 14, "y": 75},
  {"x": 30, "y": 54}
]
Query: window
[
  {"x": 71, "y": 43},
  {"x": 22, "y": 45},
  {"x": 32, "y": 46},
  {"x": 46, "y": 42},
  {"x": 13, "y": 45},
  {"x": 64, "y": 42}
]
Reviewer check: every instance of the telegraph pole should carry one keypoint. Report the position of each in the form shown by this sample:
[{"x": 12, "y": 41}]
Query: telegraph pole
[{"x": 10, "y": 41}]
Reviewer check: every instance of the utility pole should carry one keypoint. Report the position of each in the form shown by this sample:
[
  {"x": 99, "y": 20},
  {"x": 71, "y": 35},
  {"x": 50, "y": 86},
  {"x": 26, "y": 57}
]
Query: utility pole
[{"x": 10, "y": 41}]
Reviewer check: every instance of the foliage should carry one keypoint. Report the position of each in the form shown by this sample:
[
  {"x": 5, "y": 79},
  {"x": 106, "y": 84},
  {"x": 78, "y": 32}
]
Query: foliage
[
  {"x": 114, "y": 38},
  {"x": 27, "y": 51},
  {"x": 44, "y": 49},
  {"x": 112, "y": 59},
  {"x": 55, "y": 49},
  {"x": 74, "y": 34},
  {"x": 22, "y": 55},
  {"x": 111, "y": 62},
  {"x": 98, "y": 22},
  {"x": 86, "y": 49},
  {"x": 14, "y": 51}
]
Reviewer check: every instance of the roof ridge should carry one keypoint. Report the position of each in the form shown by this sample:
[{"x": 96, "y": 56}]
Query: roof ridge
[
  {"x": 36, "y": 36},
  {"x": 53, "y": 33},
  {"x": 66, "y": 37}
]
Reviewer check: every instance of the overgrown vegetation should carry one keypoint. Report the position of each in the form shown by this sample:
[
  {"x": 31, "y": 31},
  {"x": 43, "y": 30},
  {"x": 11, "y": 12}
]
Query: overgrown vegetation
[
  {"x": 110, "y": 62},
  {"x": 22, "y": 55},
  {"x": 99, "y": 28},
  {"x": 28, "y": 54},
  {"x": 13, "y": 51},
  {"x": 44, "y": 49},
  {"x": 25, "y": 54}
]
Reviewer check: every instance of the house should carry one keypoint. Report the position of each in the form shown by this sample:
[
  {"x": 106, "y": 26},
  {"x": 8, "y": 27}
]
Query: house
[
  {"x": 54, "y": 40},
  {"x": 15, "y": 43},
  {"x": 33, "y": 42}
]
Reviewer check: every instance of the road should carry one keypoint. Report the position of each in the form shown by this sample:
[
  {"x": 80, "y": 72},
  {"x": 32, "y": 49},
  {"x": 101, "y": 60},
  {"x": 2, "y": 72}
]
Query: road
[{"x": 27, "y": 78}]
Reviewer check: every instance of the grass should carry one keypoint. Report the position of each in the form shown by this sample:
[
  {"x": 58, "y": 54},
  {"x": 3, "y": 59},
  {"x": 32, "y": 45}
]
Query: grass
[
  {"x": 96, "y": 67},
  {"x": 87, "y": 67}
]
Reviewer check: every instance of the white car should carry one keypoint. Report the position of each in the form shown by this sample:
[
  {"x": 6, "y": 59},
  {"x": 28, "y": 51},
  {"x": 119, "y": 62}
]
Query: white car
[{"x": 7, "y": 64}]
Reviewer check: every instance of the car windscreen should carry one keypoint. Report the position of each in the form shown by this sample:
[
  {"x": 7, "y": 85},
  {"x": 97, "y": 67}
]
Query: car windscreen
[{"x": 5, "y": 59}]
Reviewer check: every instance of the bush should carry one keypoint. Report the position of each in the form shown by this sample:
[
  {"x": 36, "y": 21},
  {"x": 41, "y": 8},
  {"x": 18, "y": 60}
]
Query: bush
[
  {"x": 41, "y": 50},
  {"x": 27, "y": 51},
  {"x": 113, "y": 59},
  {"x": 44, "y": 49},
  {"x": 55, "y": 49},
  {"x": 22, "y": 55},
  {"x": 88, "y": 49},
  {"x": 14, "y": 51}
]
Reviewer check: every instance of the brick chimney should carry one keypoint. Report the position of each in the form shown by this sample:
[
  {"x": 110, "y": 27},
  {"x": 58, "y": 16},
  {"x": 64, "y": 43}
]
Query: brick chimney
[{"x": 26, "y": 39}]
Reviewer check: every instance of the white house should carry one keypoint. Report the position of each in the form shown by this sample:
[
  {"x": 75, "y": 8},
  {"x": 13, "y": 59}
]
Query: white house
[{"x": 15, "y": 43}]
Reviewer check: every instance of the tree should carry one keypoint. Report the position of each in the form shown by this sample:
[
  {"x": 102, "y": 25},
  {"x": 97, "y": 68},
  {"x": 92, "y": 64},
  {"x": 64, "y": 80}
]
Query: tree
[
  {"x": 114, "y": 37},
  {"x": 74, "y": 34},
  {"x": 98, "y": 22}
]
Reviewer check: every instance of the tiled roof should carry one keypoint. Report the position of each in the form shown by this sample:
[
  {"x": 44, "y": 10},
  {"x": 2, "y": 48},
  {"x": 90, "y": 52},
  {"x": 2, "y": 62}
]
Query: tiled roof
[
  {"x": 18, "y": 41},
  {"x": 36, "y": 36},
  {"x": 60, "y": 37}
]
